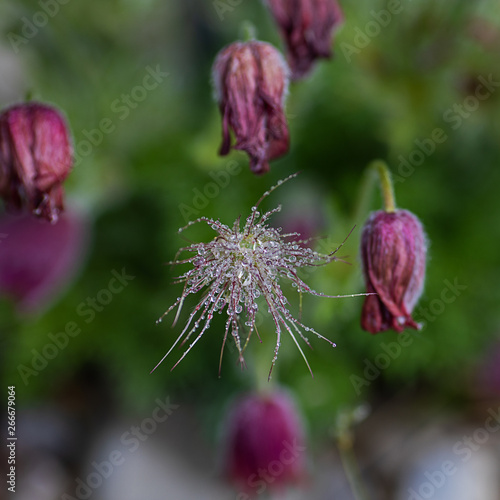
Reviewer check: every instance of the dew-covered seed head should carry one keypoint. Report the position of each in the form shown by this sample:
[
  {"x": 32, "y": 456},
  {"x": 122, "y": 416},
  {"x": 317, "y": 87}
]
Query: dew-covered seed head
[{"x": 241, "y": 268}]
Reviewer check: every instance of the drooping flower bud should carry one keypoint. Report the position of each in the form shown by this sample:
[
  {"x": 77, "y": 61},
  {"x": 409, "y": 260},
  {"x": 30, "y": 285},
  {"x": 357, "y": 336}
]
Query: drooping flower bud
[
  {"x": 35, "y": 158},
  {"x": 307, "y": 27},
  {"x": 393, "y": 252},
  {"x": 38, "y": 259},
  {"x": 264, "y": 441},
  {"x": 251, "y": 81}
]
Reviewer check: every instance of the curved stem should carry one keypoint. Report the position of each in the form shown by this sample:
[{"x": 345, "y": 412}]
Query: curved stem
[
  {"x": 248, "y": 31},
  {"x": 376, "y": 169},
  {"x": 345, "y": 442},
  {"x": 385, "y": 184}
]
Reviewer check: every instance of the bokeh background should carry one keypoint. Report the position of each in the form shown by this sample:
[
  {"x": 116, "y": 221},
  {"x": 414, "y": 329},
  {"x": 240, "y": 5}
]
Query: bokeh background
[{"x": 143, "y": 158}]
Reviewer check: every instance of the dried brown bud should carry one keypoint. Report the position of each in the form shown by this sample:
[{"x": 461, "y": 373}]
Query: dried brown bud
[
  {"x": 393, "y": 251},
  {"x": 307, "y": 27},
  {"x": 35, "y": 158},
  {"x": 251, "y": 80}
]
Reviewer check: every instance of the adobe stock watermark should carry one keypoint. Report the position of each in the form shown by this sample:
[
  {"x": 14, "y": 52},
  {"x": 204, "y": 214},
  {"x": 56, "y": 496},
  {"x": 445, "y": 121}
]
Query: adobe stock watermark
[
  {"x": 201, "y": 198},
  {"x": 464, "y": 449},
  {"x": 373, "y": 28},
  {"x": 222, "y": 7},
  {"x": 87, "y": 309},
  {"x": 266, "y": 476},
  {"x": 121, "y": 108},
  {"x": 454, "y": 116},
  {"x": 31, "y": 27},
  {"x": 131, "y": 440},
  {"x": 392, "y": 350}
]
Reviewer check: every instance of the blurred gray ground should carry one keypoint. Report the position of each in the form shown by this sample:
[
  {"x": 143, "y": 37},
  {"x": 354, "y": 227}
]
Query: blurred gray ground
[{"x": 404, "y": 451}]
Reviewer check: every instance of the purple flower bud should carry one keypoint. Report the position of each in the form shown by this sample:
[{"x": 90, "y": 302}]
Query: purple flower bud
[
  {"x": 251, "y": 81},
  {"x": 307, "y": 27},
  {"x": 393, "y": 251},
  {"x": 264, "y": 442},
  {"x": 38, "y": 259},
  {"x": 35, "y": 158}
]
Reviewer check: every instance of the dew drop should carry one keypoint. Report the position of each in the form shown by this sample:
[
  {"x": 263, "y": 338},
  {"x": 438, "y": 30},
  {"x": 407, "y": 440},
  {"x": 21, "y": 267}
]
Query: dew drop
[{"x": 238, "y": 309}]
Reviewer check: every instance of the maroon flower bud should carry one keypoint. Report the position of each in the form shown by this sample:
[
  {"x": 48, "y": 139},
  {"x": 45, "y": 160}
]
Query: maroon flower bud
[
  {"x": 393, "y": 251},
  {"x": 264, "y": 442},
  {"x": 307, "y": 27},
  {"x": 251, "y": 80},
  {"x": 35, "y": 158},
  {"x": 38, "y": 259}
]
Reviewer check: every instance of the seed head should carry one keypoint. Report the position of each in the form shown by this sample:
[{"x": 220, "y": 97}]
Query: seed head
[{"x": 238, "y": 269}]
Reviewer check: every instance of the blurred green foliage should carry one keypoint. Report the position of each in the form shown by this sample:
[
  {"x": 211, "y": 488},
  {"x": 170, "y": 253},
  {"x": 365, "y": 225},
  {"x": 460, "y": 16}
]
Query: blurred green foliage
[{"x": 373, "y": 104}]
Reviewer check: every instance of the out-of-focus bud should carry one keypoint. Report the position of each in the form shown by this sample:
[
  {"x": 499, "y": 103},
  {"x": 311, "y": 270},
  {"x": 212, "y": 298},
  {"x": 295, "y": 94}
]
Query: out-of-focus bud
[
  {"x": 36, "y": 156},
  {"x": 393, "y": 252},
  {"x": 264, "y": 441},
  {"x": 486, "y": 383},
  {"x": 306, "y": 216},
  {"x": 251, "y": 81},
  {"x": 307, "y": 27},
  {"x": 38, "y": 259}
]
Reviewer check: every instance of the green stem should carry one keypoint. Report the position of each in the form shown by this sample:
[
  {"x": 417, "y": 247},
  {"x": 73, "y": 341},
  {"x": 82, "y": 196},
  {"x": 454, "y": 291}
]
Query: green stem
[
  {"x": 375, "y": 170},
  {"x": 350, "y": 465},
  {"x": 248, "y": 31},
  {"x": 386, "y": 184}
]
